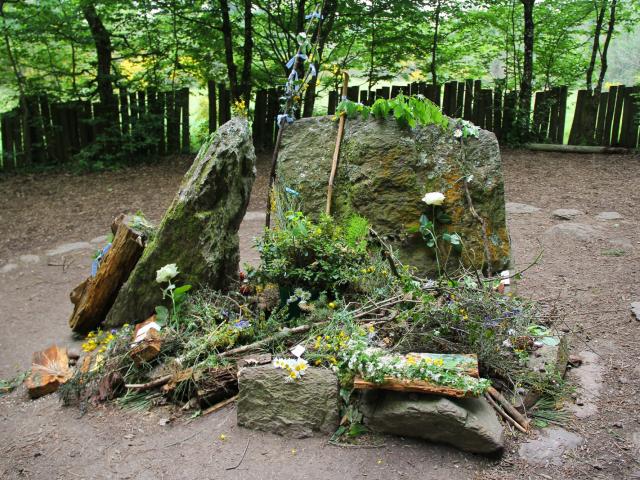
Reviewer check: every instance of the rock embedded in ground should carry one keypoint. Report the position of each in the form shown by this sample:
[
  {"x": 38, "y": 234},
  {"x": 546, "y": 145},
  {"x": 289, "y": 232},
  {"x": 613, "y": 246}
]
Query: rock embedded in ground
[
  {"x": 575, "y": 231},
  {"x": 8, "y": 267},
  {"x": 635, "y": 309},
  {"x": 566, "y": 213},
  {"x": 590, "y": 382},
  {"x": 514, "y": 208},
  {"x": 199, "y": 231},
  {"x": 267, "y": 402},
  {"x": 469, "y": 424},
  {"x": 549, "y": 447},
  {"x": 609, "y": 216},
  {"x": 384, "y": 172}
]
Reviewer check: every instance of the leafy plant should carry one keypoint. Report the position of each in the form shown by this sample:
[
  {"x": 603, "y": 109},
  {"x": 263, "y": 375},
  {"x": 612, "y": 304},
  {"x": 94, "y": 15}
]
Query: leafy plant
[{"x": 408, "y": 111}]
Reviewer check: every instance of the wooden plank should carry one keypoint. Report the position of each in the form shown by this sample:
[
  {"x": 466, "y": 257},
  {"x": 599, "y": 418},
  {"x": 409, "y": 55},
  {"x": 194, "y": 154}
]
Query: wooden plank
[
  {"x": 38, "y": 154},
  {"x": 608, "y": 119},
  {"x": 629, "y": 127},
  {"x": 395, "y": 91},
  {"x": 468, "y": 100},
  {"x": 553, "y": 114},
  {"x": 584, "y": 120},
  {"x": 273, "y": 106},
  {"x": 509, "y": 110},
  {"x": 371, "y": 97},
  {"x": 142, "y": 104},
  {"x": 73, "y": 113},
  {"x": 173, "y": 123},
  {"x": 384, "y": 92},
  {"x": 602, "y": 111},
  {"x": 617, "y": 117},
  {"x": 497, "y": 111},
  {"x": 124, "y": 111},
  {"x": 162, "y": 137},
  {"x": 7, "y": 142},
  {"x": 213, "y": 114},
  {"x": 353, "y": 93},
  {"x": 259, "y": 113},
  {"x": 133, "y": 107},
  {"x": 537, "y": 114},
  {"x": 477, "y": 102},
  {"x": 547, "y": 102},
  {"x": 487, "y": 106},
  {"x": 562, "y": 112},
  {"x": 364, "y": 97},
  {"x": 333, "y": 102},
  {"x": 449, "y": 94},
  {"x": 186, "y": 136},
  {"x": 45, "y": 113}
]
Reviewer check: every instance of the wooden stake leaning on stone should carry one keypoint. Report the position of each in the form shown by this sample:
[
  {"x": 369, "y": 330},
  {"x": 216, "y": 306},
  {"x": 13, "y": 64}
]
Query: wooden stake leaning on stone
[
  {"x": 336, "y": 151},
  {"x": 94, "y": 297}
]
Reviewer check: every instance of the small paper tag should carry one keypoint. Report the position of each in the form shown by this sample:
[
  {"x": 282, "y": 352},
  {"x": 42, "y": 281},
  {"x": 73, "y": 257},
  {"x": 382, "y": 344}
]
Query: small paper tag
[{"x": 297, "y": 351}]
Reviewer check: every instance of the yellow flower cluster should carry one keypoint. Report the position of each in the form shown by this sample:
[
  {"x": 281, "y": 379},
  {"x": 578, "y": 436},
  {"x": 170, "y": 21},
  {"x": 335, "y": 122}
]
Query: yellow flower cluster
[
  {"x": 98, "y": 340},
  {"x": 294, "y": 367},
  {"x": 239, "y": 108},
  {"x": 331, "y": 343},
  {"x": 411, "y": 360}
]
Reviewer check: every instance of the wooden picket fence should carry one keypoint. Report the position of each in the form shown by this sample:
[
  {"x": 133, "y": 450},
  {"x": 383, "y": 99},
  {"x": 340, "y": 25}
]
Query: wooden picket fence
[{"x": 53, "y": 132}]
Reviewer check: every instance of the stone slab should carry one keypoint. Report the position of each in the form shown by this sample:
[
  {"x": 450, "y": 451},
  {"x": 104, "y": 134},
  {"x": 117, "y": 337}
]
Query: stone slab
[
  {"x": 566, "y": 213},
  {"x": 469, "y": 424},
  {"x": 515, "y": 208},
  {"x": 267, "y": 402},
  {"x": 549, "y": 447}
]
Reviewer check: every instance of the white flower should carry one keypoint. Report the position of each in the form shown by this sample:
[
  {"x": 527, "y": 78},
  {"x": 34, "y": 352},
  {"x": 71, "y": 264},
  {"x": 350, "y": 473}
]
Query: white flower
[
  {"x": 457, "y": 133},
  {"x": 433, "y": 198},
  {"x": 166, "y": 273}
]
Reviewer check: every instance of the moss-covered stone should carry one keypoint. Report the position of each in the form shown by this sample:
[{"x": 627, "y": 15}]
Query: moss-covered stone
[
  {"x": 384, "y": 172},
  {"x": 199, "y": 231}
]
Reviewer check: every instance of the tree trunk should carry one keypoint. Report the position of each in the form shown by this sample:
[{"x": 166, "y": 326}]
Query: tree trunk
[
  {"x": 596, "y": 44},
  {"x": 527, "y": 70},
  {"x": 228, "y": 49},
  {"x": 434, "y": 77},
  {"x": 248, "y": 52},
  {"x": 102, "y": 40},
  {"x": 605, "y": 48}
]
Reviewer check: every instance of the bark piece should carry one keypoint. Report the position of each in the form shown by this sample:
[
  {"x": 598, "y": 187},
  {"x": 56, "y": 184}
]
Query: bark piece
[
  {"x": 49, "y": 370},
  {"x": 94, "y": 299}
]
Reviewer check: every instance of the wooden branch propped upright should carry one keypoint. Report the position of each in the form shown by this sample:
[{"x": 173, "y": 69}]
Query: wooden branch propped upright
[
  {"x": 336, "y": 151},
  {"x": 94, "y": 297}
]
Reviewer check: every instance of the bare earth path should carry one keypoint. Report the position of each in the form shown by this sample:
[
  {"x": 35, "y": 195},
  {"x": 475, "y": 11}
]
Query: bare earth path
[{"x": 590, "y": 266}]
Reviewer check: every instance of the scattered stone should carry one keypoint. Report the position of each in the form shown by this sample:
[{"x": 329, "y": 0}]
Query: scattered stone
[
  {"x": 514, "y": 208},
  {"x": 576, "y": 231},
  {"x": 589, "y": 377},
  {"x": 384, "y": 172},
  {"x": 29, "y": 258},
  {"x": 574, "y": 360},
  {"x": 566, "y": 213},
  {"x": 164, "y": 421},
  {"x": 469, "y": 424},
  {"x": 9, "y": 267},
  {"x": 68, "y": 248},
  {"x": 267, "y": 402},
  {"x": 635, "y": 310},
  {"x": 549, "y": 447},
  {"x": 609, "y": 216},
  {"x": 199, "y": 231},
  {"x": 49, "y": 370}
]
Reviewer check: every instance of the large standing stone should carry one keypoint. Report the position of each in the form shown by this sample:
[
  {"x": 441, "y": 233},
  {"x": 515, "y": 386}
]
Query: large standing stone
[
  {"x": 384, "y": 172},
  {"x": 199, "y": 231},
  {"x": 269, "y": 403},
  {"x": 469, "y": 424}
]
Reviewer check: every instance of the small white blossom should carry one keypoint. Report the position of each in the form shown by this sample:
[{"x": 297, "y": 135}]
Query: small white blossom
[
  {"x": 166, "y": 273},
  {"x": 457, "y": 133},
  {"x": 433, "y": 198}
]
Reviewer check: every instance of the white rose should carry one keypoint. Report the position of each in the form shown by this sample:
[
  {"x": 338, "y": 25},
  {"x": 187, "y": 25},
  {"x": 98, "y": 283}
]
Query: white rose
[
  {"x": 433, "y": 198},
  {"x": 166, "y": 273}
]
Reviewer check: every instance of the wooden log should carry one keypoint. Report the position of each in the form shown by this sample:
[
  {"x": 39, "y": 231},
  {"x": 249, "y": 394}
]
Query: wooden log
[
  {"x": 448, "y": 105},
  {"x": 629, "y": 134},
  {"x": 49, "y": 370},
  {"x": 487, "y": 107},
  {"x": 602, "y": 112},
  {"x": 100, "y": 291},
  {"x": 497, "y": 111},
  {"x": 550, "y": 147},
  {"x": 477, "y": 102},
  {"x": 416, "y": 386}
]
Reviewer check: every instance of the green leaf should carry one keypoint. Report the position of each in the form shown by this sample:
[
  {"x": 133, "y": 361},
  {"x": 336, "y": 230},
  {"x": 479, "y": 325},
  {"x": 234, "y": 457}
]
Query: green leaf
[{"x": 162, "y": 315}]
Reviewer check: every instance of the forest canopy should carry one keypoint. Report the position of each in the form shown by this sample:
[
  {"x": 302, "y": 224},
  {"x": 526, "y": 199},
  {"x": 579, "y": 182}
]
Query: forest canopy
[{"x": 76, "y": 49}]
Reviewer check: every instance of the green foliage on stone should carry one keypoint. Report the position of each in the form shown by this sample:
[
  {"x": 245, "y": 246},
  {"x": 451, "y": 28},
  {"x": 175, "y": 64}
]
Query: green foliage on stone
[{"x": 408, "y": 111}]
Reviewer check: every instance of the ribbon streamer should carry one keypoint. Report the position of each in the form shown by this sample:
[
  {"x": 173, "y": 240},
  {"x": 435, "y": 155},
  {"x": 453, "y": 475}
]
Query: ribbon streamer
[
  {"x": 293, "y": 59},
  {"x": 317, "y": 15}
]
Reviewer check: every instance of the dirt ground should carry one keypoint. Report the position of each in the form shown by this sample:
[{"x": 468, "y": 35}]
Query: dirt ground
[{"x": 51, "y": 224}]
